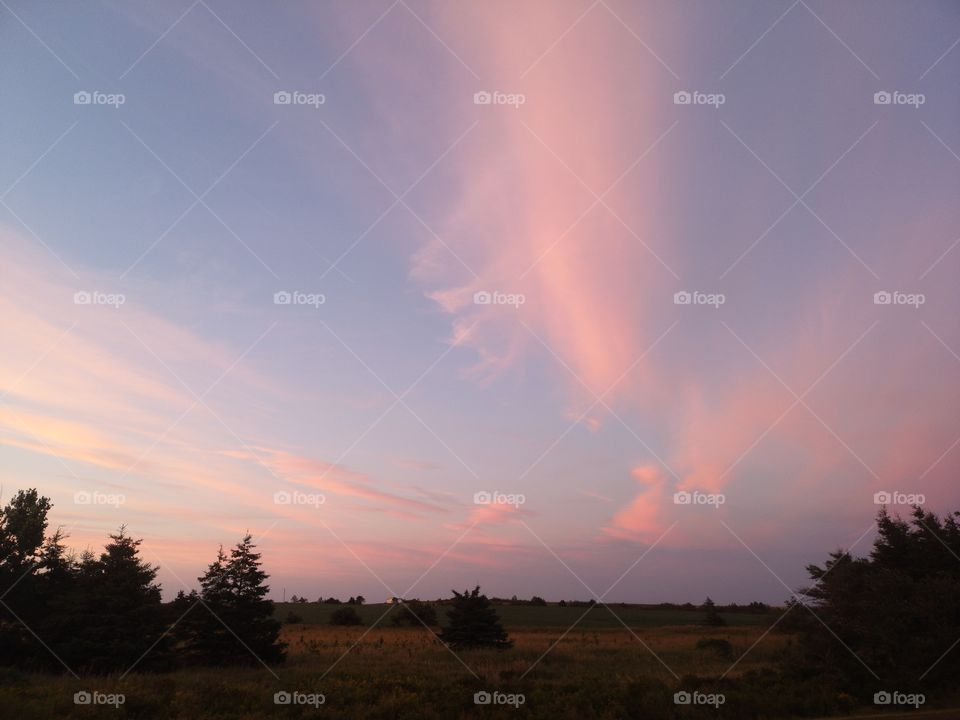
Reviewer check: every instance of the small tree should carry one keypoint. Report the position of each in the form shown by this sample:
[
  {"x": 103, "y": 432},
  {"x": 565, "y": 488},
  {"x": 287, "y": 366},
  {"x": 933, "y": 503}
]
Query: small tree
[
  {"x": 474, "y": 623},
  {"x": 711, "y": 616}
]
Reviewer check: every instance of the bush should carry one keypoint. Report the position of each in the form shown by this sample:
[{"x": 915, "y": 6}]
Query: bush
[
  {"x": 345, "y": 616},
  {"x": 414, "y": 613}
]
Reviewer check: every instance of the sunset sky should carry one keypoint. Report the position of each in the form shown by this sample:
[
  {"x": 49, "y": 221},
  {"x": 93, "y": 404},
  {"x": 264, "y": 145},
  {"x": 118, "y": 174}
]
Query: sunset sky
[{"x": 582, "y": 198}]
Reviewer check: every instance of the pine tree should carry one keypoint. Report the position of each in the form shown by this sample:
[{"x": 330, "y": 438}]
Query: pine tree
[
  {"x": 112, "y": 618},
  {"x": 474, "y": 623},
  {"x": 235, "y": 623},
  {"x": 711, "y": 616}
]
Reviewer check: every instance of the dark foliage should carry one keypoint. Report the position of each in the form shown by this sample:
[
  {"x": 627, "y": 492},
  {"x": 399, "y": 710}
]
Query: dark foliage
[
  {"x": 473, "y": 623},
  {"x": 710, "y": 615},
  {"x": 892, "y": 614},
  {"x": 345, "y": 616},
  {"x": 230, "y": 621},
  {"x": 414, "y": 613}
]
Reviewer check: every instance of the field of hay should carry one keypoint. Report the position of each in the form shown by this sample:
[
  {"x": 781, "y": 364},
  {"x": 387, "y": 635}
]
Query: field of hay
[{"x": 386, "y": 672}]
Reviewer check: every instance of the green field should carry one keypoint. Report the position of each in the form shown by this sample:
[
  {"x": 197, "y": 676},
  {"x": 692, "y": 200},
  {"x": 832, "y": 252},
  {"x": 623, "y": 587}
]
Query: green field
[{"x": 549, "y": 616}]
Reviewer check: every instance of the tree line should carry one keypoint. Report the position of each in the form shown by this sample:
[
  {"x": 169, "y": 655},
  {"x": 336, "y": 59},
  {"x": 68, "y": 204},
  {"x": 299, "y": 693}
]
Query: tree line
[{"x": 103, "y": 613}]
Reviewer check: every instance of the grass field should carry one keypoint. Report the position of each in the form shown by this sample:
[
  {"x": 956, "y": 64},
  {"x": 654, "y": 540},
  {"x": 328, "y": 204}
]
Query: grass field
[
  {"x": 405, "y": 673},
  {"x": 599, "y": 670}
]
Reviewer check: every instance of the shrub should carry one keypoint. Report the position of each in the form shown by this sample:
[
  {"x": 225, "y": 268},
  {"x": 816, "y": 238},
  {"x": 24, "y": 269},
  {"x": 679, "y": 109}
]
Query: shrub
[{"x": 345, "y": 616}]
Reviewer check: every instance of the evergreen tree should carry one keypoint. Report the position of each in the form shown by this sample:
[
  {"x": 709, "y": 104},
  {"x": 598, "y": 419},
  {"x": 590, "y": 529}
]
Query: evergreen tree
[
  {"x": 711, "y": 617},
  {"x": 474, "y": 623},
  {"x": 894, "y": 612},
  {"x": 235, "y": 623},
  {"x": 111, "y": 618}
]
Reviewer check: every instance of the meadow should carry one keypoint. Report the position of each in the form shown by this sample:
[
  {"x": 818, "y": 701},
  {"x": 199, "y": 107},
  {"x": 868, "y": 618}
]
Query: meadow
[{"x": 598, "y": 669}]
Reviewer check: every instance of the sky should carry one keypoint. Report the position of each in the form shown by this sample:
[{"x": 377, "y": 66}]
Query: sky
[{"x": 635, "y": 301}]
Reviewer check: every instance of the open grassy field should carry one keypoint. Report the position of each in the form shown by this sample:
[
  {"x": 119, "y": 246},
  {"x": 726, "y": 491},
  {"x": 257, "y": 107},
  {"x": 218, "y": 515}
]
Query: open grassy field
[
  {"x": 383, "y": 672},
  {"x": 386, "y": 672}
]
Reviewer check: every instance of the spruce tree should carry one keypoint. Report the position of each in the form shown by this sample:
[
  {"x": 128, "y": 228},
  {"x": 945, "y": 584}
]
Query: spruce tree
[
  {"x": 474, "y": 623},
  {"x": 711, "y": 617},
  {"x": 236, "y": 623},
  {"x": 112, "y": 618}
]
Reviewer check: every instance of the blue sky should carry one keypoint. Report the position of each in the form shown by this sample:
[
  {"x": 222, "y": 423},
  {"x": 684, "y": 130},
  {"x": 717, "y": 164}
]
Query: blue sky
[{"x": 595, "y": 198}]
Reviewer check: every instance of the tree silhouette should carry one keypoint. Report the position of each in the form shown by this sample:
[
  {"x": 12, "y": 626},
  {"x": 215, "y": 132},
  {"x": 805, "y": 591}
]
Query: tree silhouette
[
  {"x": 23, "y": 522},
  {"x": 893, "y": 613},
  {"x": 474, "y": 623},
  {"x": 235, "y": 623},
  {"x": 111, "y": 617},
  {"x": 711, "y": 617}
]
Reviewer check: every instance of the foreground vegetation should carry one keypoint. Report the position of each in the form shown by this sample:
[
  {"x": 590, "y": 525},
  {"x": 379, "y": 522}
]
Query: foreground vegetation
[{"x": 406, "y": 673}]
